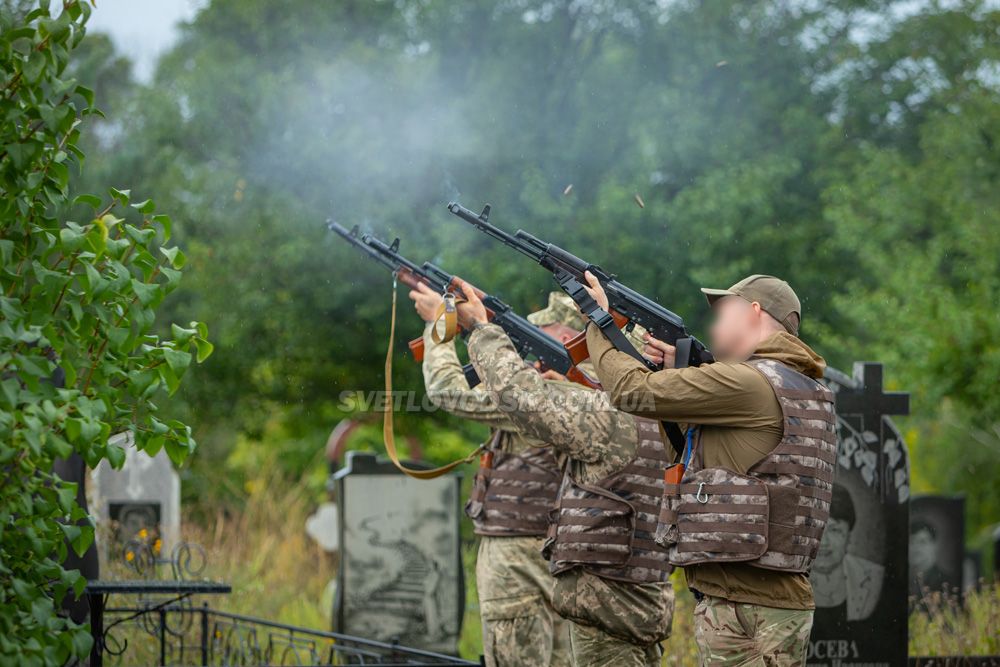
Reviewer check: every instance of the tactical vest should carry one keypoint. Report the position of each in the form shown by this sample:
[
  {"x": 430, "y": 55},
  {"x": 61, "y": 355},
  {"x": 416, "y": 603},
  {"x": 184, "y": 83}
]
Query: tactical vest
[
  {"x": 608, "y": 527},
  {"x": 512, "y": 494},
  {"x": 774, "y": 516}
]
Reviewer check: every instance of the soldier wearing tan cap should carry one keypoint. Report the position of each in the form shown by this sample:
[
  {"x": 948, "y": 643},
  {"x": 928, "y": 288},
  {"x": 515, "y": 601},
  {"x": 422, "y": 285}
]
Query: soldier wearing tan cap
[{"x": 747, "y": 516}]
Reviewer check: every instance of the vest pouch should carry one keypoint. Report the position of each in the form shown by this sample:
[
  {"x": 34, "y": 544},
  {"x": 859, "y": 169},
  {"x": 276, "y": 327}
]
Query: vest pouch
[
  {"x": 722, "y": 516},
  {"x": 594, "y": 527},
  {"x": 790, "y": 547}
]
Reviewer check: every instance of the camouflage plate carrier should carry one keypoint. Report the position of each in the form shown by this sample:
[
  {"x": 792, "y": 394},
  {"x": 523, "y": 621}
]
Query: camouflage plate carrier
[
  {"x": 512, "y": 494},
  {"x": 608, "y": 527},
  {"x": 774, "y": 516}
]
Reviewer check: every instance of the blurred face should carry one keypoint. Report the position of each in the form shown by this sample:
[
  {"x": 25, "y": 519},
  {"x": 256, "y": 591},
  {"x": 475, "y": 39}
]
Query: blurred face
[
  {"x": 923, "y": 551},
  {"x": 833, "y": 548},
  {"x": 734, "y": 331},
  {"x": 560, "y": 332}
]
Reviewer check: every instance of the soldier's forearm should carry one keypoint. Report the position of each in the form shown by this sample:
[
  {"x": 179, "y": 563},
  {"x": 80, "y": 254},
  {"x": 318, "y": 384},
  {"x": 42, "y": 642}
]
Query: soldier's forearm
[
  {"x": 623, "y": 378},
  {"x": 447, "y": 388},
  {"x": 528, "y": 400}
]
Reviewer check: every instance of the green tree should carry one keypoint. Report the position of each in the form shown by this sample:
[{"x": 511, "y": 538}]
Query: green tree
[
  {"x": 79, "y": 358},
  {"x": 790, "y": 138},
  {"x": 916, "y": 206}
]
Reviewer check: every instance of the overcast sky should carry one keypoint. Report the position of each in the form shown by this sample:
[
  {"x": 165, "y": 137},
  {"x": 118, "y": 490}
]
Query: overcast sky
[{"x": 142, "y": 29}]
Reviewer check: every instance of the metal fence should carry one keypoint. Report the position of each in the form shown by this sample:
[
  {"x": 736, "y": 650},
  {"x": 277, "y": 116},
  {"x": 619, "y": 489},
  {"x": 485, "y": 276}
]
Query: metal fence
[{"x": 199, "y": 635}]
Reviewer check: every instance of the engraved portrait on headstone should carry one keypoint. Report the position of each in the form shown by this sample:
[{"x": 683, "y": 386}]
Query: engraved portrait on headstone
[
  {"x": 859, "y": 576},
  {"x": 134, "y": 519},
  {"x": 937, "y": 545},
  {"x": 848, "y": 573},
  {"x": 400, "y": 576}
]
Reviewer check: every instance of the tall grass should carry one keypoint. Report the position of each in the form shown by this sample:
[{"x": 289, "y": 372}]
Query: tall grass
[
  {"x": 276, "y": 570},
  {"x": 946, "y": 626}
]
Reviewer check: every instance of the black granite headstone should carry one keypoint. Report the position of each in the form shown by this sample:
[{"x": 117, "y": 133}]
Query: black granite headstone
[
  {"x": 860, "y": 575},
  {"x": 74, "y": 470},
  {"x": 400, "y": 577},
  {"x": 937, "y": 546},
  {"x": 996, "y": 554}
]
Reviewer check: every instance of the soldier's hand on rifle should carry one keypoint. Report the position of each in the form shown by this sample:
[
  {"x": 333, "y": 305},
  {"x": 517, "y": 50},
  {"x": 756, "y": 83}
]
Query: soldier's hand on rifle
[
  {"x": 596, "y": 290},
  {"x": 659, "y": 352},
  {"x": 549, "y": 374},
  {"x": 426, "y": 301},
  {"x": 471, "y": 311}
]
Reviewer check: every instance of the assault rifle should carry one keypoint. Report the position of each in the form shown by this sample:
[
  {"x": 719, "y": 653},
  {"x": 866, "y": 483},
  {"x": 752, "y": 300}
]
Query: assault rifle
[
  {"x": 626, "y": 305},
  {"x": 528, "y": 339}
]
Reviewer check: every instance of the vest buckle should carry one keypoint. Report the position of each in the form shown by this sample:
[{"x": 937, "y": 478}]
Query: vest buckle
[{"x": 701, "y": 496}]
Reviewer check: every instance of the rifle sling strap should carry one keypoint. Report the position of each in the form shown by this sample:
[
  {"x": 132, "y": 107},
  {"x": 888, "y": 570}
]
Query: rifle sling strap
[
  {"x": 447, "y": 312},
  {"x": 387, "y": 425}
]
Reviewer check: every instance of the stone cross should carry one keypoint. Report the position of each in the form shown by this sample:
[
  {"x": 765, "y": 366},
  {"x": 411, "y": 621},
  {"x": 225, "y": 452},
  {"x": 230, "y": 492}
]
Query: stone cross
[
  {"x": 871, "y": 402},
  {"x": 861, "y": 573}
]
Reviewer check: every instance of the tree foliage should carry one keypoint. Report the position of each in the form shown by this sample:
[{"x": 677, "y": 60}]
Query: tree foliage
[
  {"x": 847, "y": 146},
  {"x": 80, "y": 359}
]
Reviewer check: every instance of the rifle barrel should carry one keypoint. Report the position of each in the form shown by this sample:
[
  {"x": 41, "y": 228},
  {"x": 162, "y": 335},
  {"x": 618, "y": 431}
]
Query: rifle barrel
[{"x": 481, "y": 222}]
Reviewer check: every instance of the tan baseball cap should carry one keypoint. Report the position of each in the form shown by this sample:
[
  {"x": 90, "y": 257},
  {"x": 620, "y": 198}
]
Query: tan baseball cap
[
  {"x": 561, "y": 310},
  {"x": 775, "y": 296}
]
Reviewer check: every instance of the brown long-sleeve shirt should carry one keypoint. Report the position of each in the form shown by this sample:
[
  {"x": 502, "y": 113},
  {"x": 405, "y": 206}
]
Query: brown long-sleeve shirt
[{"x": 740, "y": 421}]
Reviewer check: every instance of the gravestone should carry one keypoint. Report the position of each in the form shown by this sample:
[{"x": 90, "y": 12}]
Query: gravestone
[
  {"x": 141, "y": 501},
  {"x": 972, "y": 571},
  {"x": 996, "y": 554},
  {"x": 73, "y": 469},
  {"x": 937, "y": 545},
  {"x": 400, "y": 577},
  {"x": 860, "y": 574}
]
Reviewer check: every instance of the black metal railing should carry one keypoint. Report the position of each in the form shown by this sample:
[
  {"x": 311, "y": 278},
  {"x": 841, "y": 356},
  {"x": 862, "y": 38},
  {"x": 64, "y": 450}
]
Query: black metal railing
[{"x": 185, "y": 635}]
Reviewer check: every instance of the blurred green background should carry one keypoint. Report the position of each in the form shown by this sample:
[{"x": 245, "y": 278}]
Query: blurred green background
[{"x": 850, "y": 147}]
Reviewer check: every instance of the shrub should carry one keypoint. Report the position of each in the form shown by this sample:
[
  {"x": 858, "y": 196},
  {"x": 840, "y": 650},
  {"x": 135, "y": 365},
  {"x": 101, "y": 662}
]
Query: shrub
[{"x": 78, "y": 357}]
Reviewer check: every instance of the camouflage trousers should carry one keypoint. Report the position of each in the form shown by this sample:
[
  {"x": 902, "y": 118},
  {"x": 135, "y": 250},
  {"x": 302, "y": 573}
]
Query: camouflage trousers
[
  {"x": 593, "y": 647},
  {"x": 515, "y": 604},
  {"x": 732, "y": 634}
]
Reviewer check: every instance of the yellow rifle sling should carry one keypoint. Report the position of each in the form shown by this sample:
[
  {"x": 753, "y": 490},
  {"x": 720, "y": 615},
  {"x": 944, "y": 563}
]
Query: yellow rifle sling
[{"x": 387, "y": 430}]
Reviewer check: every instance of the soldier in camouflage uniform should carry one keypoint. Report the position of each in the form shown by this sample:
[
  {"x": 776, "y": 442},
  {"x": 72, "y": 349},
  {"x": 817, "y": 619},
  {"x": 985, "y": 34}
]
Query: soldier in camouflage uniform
[
  {"x": 513, "y": 492},
  {"x": 616, "y": 620},
  {"x": 746, "y": 518}
]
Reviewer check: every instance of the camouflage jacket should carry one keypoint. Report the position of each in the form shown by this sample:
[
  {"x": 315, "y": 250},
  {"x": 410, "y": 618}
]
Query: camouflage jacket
[
  {"x": 600, "y": 441},
  {"x": 580, "y": 423},
  {"x": 517, "y": 483}
]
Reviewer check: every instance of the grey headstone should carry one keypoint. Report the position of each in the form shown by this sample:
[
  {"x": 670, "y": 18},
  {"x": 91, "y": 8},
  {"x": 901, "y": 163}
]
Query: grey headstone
[
  {"x": 972, "y": 571},
  {"x": 859, "y": 577},
  {"x": 145, "y": 493},
  {"x": 400, "y": 577}
]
